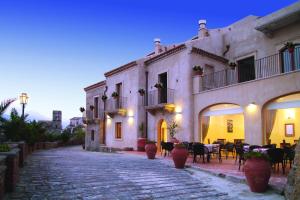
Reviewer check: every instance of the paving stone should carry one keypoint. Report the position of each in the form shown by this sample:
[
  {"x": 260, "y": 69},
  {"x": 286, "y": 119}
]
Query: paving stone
[{"x": 71, "y": 173}]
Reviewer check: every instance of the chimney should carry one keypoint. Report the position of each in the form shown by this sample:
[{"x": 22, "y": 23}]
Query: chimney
[
  {"x": 157, "y": 46},
  {"x": 202, "y": 32}
]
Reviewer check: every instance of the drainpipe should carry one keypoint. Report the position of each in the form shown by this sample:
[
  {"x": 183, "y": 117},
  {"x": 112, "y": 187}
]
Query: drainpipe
[
  {"x": 104, "y": 120},
  {"x": 146, "y": 104}
]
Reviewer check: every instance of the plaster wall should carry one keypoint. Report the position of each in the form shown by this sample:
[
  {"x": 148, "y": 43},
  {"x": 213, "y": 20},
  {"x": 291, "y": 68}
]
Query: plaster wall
[{"x": 257, "y": 91}]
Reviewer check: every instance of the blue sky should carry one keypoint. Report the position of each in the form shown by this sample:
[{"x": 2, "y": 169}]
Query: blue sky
[{"x": 52, "y": 49}]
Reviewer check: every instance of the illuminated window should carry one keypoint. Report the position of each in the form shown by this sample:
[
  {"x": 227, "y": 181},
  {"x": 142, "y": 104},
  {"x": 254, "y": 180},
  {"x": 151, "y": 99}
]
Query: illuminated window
[{"x": 118, "y": 130}]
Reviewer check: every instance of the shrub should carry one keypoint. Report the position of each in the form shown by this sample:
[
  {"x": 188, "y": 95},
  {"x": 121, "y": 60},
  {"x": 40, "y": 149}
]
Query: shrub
[{"x": 4, "y": 148}]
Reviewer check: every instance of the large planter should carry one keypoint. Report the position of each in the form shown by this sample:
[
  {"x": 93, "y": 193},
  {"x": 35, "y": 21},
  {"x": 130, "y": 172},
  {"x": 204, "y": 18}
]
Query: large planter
[
  {"x": 179, "y": 155},
  {"x": 257, "y": 172},
  {"x": 141, "y": 143},
  {"x": 151, "y": 150}
]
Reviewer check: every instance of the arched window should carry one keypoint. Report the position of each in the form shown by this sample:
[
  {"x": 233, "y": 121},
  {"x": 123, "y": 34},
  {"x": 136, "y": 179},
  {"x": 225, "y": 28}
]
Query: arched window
[{"x": 290, "y": 61}]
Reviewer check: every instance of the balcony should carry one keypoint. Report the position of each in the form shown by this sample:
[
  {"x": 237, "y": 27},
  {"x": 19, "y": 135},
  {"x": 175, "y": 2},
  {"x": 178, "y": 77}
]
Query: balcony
[
  {"x": 160, "y": 100},
  {"x": 265, "y": 67},
  {"x": 93, "y": 117},
  {"x": 116, "y": 106}
]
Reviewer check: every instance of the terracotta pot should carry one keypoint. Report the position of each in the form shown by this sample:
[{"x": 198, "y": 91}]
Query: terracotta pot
[
  {"x": 258, "y": 172},
  {"x": 179, "y": 155},
  {"x": 141, "y": 144},
  {"x": 151, "y": 150},
  {"x": 198, "y": 73}
]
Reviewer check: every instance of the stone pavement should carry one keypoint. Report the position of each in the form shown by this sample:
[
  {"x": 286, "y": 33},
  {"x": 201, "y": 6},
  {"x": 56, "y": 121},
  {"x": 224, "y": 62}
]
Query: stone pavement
[{"x": 71, "y": 173}]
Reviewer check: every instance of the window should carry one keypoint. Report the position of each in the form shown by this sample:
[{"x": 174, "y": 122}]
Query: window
[
  {"x": 96, "y": 107},
  {"x": 92, "y": 135},
  {"x": 290, "y": 60},
  {"x": 118, "y": 130}
]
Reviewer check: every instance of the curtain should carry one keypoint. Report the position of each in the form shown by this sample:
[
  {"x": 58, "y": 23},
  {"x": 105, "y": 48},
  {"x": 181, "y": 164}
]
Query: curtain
[
  {"x": 270, "y": 120},
  {"x": 205, "y": 126}
]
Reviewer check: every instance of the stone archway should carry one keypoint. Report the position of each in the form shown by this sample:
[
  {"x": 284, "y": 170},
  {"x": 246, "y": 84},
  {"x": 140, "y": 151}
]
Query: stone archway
[
  {"x": 222, "y": 122},
  {"x": 162, "y": 133}
]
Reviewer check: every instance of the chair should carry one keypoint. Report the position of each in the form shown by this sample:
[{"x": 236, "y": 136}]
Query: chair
[
  {"x": 239, "y": 150},
  {"x": 277, "y": 157},
  {"x": 284, "y": 144},
  {"x": 167, "y": 147},
  {"x": 200, "y": 149},
  {"x": 289, "y": 155},
  {"x": 229, "y": 147},
  {"x": 190, "y": 148},
  {"x": 254, "y": 147},
  {"x": 269, "y": 146}
]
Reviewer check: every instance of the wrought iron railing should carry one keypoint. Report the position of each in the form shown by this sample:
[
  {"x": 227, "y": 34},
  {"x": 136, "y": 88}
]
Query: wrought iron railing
[
  {"x": 114, "y": 104},
  {"x": 160, "y": 96},
  {"x": 280, "y": 63}
]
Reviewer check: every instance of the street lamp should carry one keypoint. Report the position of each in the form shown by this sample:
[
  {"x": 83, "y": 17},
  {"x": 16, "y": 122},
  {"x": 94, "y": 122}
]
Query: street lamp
[{"x": 23, "y": 102}]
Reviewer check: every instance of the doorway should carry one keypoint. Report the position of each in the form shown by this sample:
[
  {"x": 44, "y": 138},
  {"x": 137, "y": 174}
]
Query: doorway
[
  {"x": 162, "y": 133},
  {"x": 246, "y": 69},
  {"x": 163, "y": 96}
]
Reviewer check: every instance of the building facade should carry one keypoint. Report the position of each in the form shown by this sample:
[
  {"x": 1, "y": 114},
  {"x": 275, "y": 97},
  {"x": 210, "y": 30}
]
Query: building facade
[{"x": 247, "y": 88}]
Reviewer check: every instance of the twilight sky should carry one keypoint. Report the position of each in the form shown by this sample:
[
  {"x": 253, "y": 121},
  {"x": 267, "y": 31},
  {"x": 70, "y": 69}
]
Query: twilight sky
[{"x": 52, "y": 49}]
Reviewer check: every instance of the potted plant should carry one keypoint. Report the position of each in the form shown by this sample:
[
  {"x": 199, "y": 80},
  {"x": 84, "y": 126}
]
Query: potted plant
[
  {"x": 257, "y": 171},
  {"x": 172, "y": 127},
  {"x": 142, "y": 140},
  {"x": 151, "y": 149},
  {"x": 141, "y": 91},
  {"x": 179, "y": 155},
  {"x": 115, "y": 95},
  {"x": 198, "y": 70},
  {"x": 104, "y": 97},
  {"x": 81, "y": 109},
  {"x": 232, "y": 65},
  {"x": 158, "y": 85},
  {"x": 290, "y": 46}
]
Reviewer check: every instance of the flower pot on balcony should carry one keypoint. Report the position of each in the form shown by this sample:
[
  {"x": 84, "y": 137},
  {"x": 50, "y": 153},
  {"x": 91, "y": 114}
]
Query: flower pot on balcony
[
  {"x": 257, "y": 172},
  {"x": 141, "y": 143},
  {"x": 179, "y": 155},
  {"x": 151, "y": 150},
  {"x": 291, "y": 49}
]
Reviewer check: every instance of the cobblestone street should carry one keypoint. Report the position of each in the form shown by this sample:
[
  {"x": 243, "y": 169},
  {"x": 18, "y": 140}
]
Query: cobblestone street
[{"x": 71, "y": 173}]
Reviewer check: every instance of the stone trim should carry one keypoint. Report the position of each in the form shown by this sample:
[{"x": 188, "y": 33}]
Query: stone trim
[
  {"x": 120, "y": 69},
  {"x": 165, "y": 54},
  {"x": 99, "y": 84},
  {"x": 209, "y": 55}
]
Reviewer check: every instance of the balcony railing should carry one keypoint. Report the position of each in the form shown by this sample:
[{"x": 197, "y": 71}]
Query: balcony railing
[
  {"x": 115, "y": 104},
  {"x": 91, "y": 116},
  {"x": 264, "y": 68},
  {"x": 160, "y": 96}
]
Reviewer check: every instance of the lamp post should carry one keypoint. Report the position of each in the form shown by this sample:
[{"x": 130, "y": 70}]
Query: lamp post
[{"x": 23, "y": 102}]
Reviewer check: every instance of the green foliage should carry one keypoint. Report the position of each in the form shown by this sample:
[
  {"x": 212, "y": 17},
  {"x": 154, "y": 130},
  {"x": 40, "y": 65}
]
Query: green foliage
[
  {"x": 172, "y": 127},
  {"x": 4, "y": 148},
  {"x": 141, "y": 129},
  {"x": 253, "y": 154},
  {"x": 79, "y": 134},
  {"x": 65, "y": 136}
]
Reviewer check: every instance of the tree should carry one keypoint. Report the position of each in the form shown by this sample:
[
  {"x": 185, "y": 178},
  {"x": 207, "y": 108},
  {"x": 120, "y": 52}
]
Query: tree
[{"x": 3, "y": 107}]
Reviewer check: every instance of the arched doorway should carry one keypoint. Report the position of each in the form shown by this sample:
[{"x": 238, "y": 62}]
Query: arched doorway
[
  {"x": 282, "y": 120},
  {"x": 162, "y": 133},
  {"x": 222, "y": 123}
]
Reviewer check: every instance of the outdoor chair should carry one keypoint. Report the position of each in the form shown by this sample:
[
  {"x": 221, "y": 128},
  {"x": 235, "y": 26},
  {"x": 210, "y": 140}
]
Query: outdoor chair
[
  {"x": 202, "y": 151},
  {"x": 229, "y": 147},
  {"x": 277, "y": 157},
  {"x": 166, "y": 147},
  {"x": 254, "y": 147},
  {"x": 269, "y": 146},
  {"x": 190, "y": 148},
  {"x": 239, "y": 150},
  {"x": 289, "y": 155}
]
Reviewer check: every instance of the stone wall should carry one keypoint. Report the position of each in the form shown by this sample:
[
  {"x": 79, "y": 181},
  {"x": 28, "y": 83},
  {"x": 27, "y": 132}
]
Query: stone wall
[{"x": 292, "y": 190}]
